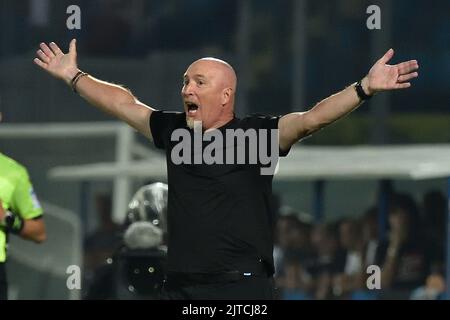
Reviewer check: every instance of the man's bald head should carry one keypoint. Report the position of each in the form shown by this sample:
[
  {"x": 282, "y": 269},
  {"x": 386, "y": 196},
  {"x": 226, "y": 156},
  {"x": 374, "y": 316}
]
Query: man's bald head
[{"x": 227, "y": 72}]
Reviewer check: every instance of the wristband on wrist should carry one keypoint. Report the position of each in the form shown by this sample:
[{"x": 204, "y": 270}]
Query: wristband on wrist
[
  {"x": 75, "y": 79},
  {"x": 13, "y": 222},
  {"x": 360, "y": 91}
]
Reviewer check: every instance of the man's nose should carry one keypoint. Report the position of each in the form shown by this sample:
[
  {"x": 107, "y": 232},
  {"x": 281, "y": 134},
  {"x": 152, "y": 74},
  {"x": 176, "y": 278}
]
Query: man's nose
[{"x": 187, "y": 90}]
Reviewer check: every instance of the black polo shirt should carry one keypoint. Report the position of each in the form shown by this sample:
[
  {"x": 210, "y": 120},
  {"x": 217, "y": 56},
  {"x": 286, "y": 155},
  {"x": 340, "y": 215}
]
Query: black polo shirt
[{"x": 219, "y": 215}]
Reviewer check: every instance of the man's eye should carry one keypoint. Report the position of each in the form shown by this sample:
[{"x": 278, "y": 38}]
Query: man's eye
[{"x": 200, "y": 82}]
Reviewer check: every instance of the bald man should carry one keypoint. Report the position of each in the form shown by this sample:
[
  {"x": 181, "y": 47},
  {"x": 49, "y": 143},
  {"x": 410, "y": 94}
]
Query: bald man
[
  {"x": 219, "y": 219},
  {"x": 218, "y": 82}
]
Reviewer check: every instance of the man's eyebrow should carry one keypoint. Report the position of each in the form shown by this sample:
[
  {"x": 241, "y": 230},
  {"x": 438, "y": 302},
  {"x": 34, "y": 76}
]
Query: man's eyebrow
[{"x": 195, "y": 76}]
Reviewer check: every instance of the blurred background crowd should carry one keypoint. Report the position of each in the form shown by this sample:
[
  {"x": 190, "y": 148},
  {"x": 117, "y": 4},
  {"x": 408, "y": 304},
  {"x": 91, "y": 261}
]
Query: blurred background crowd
[{"x": 332, "y": 260}]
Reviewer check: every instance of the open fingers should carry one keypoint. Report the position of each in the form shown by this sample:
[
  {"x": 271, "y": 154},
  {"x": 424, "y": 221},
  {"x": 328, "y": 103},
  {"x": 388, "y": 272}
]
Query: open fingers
[
  {"x": 403, "y": 85},
  {"x": 407, "y": 67},
  {"x": 43, "y": 56},
  {"x": 49, "y": 53},
  {"x": 55, "y": 48},
  {"x": 407, "y": 77},
  {"x": 41, "y": 64}
]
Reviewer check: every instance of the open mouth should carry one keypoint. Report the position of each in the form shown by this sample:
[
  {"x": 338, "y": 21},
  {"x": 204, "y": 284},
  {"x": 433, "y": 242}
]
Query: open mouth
[{"x": 191, "y": 109}]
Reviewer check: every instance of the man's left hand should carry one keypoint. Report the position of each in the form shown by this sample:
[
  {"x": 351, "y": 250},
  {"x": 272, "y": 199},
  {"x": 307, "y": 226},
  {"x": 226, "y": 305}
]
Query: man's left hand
[{"x": 383, "y": 76}]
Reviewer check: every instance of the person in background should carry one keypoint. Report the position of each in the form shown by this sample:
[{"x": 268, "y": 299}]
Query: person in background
[
  {"x": 407, "y": 262},
  {"x": 20, "y": 212}
]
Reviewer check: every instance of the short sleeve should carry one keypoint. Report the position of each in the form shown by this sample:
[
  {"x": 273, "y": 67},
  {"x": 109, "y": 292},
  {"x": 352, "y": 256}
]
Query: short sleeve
[
  {"x": 161, "y": 125},
  {"x": 258, "y": 121},
  {"x": 24, "y": 201}
]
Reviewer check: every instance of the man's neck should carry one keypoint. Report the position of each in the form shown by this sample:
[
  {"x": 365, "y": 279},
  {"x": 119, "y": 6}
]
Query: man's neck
[{"x": 220, "y": 123}]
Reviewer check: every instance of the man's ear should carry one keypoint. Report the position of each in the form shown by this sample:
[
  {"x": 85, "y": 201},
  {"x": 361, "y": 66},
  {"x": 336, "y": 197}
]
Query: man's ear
[{"x": 226, "y": 95}]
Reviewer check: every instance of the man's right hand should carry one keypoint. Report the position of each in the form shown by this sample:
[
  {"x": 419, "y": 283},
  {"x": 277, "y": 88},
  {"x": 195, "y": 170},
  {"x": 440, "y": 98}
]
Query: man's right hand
[
  {"x": 54, "y": 61},
  {"x": 108, "y": 97}
]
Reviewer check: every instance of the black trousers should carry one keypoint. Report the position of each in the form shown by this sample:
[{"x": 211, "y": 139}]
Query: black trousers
[
  {"x": 247, "y": 288},
  {"x": 3, "y": 283}
]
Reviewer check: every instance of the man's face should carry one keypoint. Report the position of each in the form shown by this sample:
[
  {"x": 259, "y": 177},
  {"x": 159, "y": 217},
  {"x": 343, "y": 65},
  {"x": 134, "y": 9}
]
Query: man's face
[{"x": 202, "y": 93}]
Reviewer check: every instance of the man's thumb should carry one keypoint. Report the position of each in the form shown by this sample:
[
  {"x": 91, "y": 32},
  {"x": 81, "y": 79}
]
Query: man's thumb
[
  {"x": 73, "y": 46},
  {"x": 387, "y": 56}
]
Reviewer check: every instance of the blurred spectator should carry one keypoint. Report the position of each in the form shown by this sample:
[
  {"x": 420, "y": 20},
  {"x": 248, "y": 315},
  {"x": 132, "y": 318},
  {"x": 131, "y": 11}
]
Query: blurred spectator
[
  {"x": 292, "y": 256},
  {"x": 291, "y": 234},
  {"x": 329, "y": 259},
  {"x": 296, "y": 282},
  {"x": 373, "y": 253},
  {"x": 434, "y": 210},
  {"x": 434, "y": 288},
  {"x": 352, "y": 244},
  {"x": 374, "y": 249},
  {"x": 406, "y": 264}
]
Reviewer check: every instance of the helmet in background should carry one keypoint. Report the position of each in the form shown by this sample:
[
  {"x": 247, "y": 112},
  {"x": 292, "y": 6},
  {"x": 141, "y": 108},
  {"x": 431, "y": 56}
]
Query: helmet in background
[{"x": 146, "y": 218}]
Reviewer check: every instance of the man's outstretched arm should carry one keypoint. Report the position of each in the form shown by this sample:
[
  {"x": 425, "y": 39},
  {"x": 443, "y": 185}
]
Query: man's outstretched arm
[
  {"x": 381, "y": 77},
  {"x": 110, "y": 98}
]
